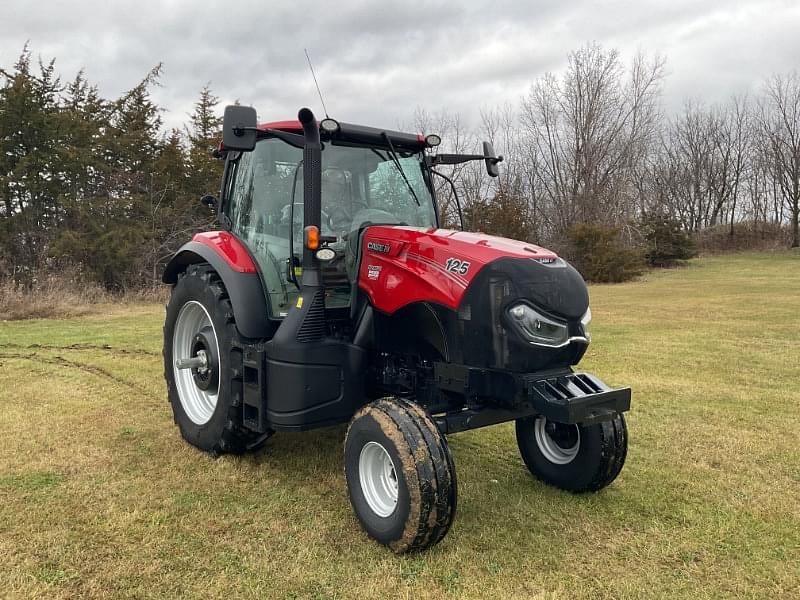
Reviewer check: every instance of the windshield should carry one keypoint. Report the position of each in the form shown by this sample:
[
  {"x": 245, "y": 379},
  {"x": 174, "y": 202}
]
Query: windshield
[
  {"x": 360, "y": 186},
  {"x": 364, "y": 185}
]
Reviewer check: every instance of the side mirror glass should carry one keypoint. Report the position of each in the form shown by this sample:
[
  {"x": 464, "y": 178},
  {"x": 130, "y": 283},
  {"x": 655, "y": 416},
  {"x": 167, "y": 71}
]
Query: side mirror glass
[
  {"x": 491, "y": 159},
  {"x": 239, "y": 128}
]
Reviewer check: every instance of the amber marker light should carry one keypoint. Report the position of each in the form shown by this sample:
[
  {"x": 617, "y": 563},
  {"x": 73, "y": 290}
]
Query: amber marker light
[{"x": 312, "y": 237}]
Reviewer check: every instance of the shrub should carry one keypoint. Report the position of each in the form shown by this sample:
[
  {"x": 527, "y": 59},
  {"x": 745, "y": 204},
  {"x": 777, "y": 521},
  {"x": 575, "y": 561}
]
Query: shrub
[
  {"x": 667, "y": 243},
  {"x": 746, "y": 235},
  {"x": 601, "y": 255},
  {"x": 505, "y": 214}
]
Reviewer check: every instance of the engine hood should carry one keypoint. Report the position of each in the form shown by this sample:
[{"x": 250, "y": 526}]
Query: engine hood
[
  {"x": 479, "y": 247},
  {"x": 401, "y": 265}
]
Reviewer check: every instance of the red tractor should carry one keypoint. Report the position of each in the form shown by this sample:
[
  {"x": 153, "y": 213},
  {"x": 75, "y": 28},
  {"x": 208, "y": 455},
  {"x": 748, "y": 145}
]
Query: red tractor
[{"x": 330, "y": 295}]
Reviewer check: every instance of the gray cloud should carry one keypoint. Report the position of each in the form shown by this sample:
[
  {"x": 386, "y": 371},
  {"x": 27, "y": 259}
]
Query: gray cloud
[{"x": 378, "y": 61}]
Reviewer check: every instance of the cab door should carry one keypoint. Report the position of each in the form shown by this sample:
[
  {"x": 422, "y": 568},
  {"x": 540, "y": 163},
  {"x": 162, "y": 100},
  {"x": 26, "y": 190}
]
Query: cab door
[{"x": 263, "y": 194}]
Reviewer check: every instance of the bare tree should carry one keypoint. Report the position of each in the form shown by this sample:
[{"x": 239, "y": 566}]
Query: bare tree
[
  {"x": 456, "y": 138},
  {"x": 778, "y": 117},
  {"x": 588, "y": 132},
  {"x": 683, "y": 171},
  {"x": 728, "y": 127},
  {"x": 702, "y": 163}
]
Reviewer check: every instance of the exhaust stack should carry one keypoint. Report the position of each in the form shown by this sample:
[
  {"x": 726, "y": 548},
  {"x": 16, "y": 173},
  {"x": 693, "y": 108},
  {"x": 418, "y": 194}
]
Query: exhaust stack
[{"x": 312, "y": 190}]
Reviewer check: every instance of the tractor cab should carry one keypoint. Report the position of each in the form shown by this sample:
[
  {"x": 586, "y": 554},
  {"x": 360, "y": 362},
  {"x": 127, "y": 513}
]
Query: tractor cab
[{"x": 368, "y": 177}]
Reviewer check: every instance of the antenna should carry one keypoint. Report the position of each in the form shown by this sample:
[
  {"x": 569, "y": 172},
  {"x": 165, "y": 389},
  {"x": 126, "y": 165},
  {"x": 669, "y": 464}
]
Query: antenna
[{"x": 310, "y": 66}]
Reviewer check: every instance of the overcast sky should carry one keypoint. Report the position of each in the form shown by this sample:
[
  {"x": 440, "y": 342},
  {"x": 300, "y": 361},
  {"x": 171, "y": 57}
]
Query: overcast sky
[{"x": 376, "y": 61}]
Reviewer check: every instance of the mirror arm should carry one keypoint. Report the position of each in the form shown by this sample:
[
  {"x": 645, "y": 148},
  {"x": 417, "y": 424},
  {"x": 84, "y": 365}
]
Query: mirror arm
[
  {"x": 455, "y": 194},
  {"x": 292, "y": 139},
  {"x": 240, "y": 131},
  {"x": 454, "y": 159},
  {"x": 457, "y": 159}
]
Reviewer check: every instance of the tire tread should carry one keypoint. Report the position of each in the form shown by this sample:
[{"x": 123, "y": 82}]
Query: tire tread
[
  {"x": 434, "y": 466},
  {"x": 589, "y": 475}
]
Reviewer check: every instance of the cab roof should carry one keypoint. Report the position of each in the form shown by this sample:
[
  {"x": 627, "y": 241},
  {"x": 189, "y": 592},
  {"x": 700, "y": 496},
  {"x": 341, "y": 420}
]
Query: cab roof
[{"x": 356, "y": 134}]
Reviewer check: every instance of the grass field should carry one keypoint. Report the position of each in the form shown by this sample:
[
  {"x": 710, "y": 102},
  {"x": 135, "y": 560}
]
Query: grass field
[{"x": 100, "y": 497}]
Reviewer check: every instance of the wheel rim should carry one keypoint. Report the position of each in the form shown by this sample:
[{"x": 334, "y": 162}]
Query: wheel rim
[
  {"x": 378, "y": 479},
  {"x": 559, "y": 443},
  {"x": 198, "y": 404}
]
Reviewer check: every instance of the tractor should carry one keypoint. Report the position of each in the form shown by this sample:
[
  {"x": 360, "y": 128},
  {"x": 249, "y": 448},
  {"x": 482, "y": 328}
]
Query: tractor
[{"x": 330, "y": 295}]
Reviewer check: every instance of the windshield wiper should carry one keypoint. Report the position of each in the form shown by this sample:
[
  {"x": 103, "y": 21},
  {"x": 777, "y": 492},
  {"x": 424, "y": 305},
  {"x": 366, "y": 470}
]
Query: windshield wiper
[{"x": 397, "y": 164}]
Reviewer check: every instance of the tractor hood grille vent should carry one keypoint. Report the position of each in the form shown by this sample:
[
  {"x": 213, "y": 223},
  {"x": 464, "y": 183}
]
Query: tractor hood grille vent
[
  {"x": 313, "y": 327},
  {"x": 555, "y": 287}
]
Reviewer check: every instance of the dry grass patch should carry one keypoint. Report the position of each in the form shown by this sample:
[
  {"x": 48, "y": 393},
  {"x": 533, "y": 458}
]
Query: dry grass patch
[{"x": 59, "y": 297}]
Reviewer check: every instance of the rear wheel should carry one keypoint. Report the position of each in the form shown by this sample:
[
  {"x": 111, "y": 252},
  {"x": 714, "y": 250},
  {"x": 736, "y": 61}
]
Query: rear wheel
[
  {"x": 577, "y": 458},
  {"x": 200, "y": 364},
  {"x": 400, "y": 475}
]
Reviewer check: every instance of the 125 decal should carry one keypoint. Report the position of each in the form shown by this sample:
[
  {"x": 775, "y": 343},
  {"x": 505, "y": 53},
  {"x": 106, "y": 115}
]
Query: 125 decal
[{"x": 455, "y": 265}]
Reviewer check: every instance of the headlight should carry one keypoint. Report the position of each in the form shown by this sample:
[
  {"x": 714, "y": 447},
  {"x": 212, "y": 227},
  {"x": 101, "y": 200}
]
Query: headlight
[
  {"x": 585, "y": 320},
  {"x": 537, "y": 328}
]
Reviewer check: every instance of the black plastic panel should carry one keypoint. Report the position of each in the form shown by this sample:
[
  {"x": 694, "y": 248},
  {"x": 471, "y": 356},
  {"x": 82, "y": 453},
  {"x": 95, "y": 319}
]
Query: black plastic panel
[{"x": 314, "y": 384}]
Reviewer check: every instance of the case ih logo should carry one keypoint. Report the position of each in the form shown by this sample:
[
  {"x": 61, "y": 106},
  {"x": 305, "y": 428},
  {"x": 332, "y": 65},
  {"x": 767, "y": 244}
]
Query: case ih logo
[{"x": 378, "y": 247}]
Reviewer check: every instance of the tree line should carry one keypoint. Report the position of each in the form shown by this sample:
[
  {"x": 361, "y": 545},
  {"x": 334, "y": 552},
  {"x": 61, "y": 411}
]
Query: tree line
[
  {"x": 592, "y": 152},
  {"x": 96, "y": 187}
]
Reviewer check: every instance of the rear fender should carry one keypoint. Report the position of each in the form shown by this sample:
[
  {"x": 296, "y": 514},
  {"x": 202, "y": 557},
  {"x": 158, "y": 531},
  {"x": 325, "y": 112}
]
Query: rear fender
[{"x": 238, "y": 272}]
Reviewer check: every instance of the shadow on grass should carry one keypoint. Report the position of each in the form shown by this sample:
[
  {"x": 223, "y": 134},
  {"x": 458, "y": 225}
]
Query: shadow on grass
[{"x": 295, "y": 456}]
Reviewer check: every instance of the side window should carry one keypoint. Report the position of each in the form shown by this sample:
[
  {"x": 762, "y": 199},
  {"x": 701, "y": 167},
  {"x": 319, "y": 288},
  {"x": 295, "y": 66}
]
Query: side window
[
  {"x": 240, "y": 197},
  {"x": 258, "y": 205}
]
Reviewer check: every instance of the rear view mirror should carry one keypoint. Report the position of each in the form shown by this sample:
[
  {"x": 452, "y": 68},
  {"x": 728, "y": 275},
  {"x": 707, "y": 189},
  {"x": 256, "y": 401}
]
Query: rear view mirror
[
  {"x": 491, "y": 159},
  {"x": 239, "y": 128}
]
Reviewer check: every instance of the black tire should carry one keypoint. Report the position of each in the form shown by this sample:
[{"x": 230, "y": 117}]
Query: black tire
[
  {"x": 425, "y": 477},
  {"x": 600, "y": 455},
  {"x": 223, "y": 432}
]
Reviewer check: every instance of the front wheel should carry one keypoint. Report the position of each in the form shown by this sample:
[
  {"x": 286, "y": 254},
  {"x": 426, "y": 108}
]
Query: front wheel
[
  {"x": 400, "y": 475},
  {"x": 577, "y": 458}
]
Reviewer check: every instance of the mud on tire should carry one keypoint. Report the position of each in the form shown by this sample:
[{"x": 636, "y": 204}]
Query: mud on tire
[
  {"x": 223, "y": 431},
  {"x": 420, "y": 472}
]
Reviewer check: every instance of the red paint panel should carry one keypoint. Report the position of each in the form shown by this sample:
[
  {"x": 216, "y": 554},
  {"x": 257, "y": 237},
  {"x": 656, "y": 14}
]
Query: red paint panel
[
  {"x": 229, "y": 248},
  {"x": 290, "y": 126},
  {"x": 429, "y": 265}
]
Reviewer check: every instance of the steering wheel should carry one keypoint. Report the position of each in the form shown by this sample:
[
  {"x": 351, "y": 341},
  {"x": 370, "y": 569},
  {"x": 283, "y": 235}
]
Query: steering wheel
[
  {"x": 286, "y": 212},
  {"x": 344, "y": 215}
]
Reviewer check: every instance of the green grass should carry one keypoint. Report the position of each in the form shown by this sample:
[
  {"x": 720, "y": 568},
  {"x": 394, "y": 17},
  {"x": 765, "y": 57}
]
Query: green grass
[{"x": 99, "y": 496}]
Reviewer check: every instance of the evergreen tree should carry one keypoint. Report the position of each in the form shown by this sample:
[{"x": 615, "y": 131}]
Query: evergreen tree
[
  {"x": 29, "y": 164},
  {"x": 204, "y": 136},
  {"x": 112, "y": 229}
]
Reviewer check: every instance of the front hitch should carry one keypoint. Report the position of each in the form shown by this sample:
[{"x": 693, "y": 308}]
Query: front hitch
[
  {"x": 496, "y": 396},
  {"x": 576, "y": 398}
]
